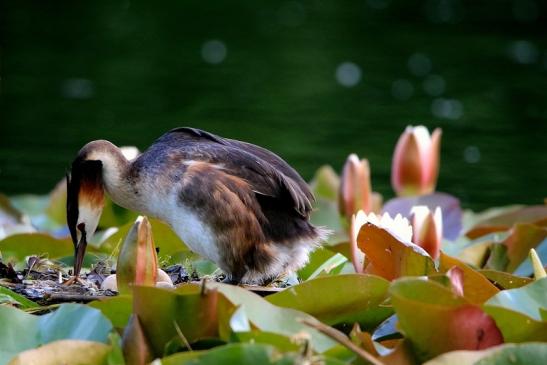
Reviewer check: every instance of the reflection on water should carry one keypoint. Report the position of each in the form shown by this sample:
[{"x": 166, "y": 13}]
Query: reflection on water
[{"x": 311, "y": 80}]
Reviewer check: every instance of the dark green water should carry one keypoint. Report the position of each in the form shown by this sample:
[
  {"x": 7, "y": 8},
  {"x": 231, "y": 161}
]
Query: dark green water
[{"x": 74, "y": 71}]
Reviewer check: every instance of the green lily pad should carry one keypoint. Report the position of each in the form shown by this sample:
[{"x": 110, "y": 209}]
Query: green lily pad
[
  {"x": 268, "y": 317},
  {"x": 164, "y": 314},
  {"x": 435, "y": 320},
  {"x": 66, "y": 352},
  {"x": 240, "y": 353},
  {"x": 322, "y": 261},
  {"x": 504, "y": 218},
  {"x": 10, "y": 297},
  {"x": 283, "y": 343},
  {"x": 165, "y": 239},
  {"x": 476, "y": 287},
  {"x": 515, "y": 326},
  {"x": 526, "y": 353},
  {"x": 23, "y": 331},
  {"x": 117, "y": 309},
  {"x": 523, "y": 237},
  {"x": 16, "y": 247},
  {"x": 504, "y": 279},
  {"x": 527, "y": 300},
  {"x": 354, "y": 298}
]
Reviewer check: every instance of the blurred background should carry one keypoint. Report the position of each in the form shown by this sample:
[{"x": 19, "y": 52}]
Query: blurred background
[{"x": 311, "y": 80}]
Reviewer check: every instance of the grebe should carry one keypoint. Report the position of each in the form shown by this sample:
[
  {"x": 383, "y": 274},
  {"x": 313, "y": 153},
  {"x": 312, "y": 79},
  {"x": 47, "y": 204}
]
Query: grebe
[{"x": 234, "y": 203}]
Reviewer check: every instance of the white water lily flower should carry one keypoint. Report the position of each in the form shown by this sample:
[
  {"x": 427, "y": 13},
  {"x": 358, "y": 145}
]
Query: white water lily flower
[{"x": 399, "y": 227}]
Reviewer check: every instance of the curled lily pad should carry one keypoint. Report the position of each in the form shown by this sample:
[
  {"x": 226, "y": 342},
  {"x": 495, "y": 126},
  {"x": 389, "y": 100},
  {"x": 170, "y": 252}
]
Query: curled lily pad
[
  {"x": 435, "y": 320},
  {"x": 391, "y": 257},
  {"x": 476, "y": 287}
]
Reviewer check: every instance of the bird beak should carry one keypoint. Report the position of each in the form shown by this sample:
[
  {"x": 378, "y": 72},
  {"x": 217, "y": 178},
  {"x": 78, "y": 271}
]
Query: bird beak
[
  {"x": 79, "y": 250},
  {"x": 85, "y": 201}
]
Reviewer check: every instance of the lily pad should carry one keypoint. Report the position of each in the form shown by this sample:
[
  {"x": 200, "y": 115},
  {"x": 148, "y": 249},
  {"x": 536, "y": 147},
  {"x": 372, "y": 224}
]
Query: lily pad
[
  {"x": 523, "y": 237},
  {"x": 322, "y": 261},
  {"x": 476, "y": 287},
  {"x": 117, "y": 309},
  {"x": 435, "y": 320},
  {"x": 239, "y": 353},
  {"x": 165, "y": 239},
  {"x": 507, "y": 218},
  {"x": 18, "y": 246},
  {"x": 268, "y": 317},
  {"x": 10, "y": 297},
  {"x": 504, "y": 279},
  {"x": 526, "y": 353},
  {"x": 164, "y": 314},
  {"x": 528, "y": 299},
  {"x": 391, "y": 258},
  {"x": 66, "y": 352},
  {"x": 23, "y": 331},
  {"x": 358, "y": 298}
]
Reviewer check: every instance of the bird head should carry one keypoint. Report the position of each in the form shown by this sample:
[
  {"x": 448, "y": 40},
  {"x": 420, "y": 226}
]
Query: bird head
[{"x": 85, "y": 201}]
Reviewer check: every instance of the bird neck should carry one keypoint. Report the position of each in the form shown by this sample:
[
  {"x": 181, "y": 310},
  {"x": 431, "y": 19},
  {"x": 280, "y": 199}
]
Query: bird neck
[{"x": 114, "y": 171}]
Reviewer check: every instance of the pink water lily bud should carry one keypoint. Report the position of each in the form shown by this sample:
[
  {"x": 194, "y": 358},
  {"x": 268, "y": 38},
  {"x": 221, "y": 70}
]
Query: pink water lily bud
[
  {"x": 138, "y": 261},
  {"x": 415, "y": 165},
  {"x": 355, "y": 191},
  {"x": 427, "y": 228}
]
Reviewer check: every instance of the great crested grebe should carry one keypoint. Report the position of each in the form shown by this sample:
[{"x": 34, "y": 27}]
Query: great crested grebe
[{"x": 237, "y": 204}]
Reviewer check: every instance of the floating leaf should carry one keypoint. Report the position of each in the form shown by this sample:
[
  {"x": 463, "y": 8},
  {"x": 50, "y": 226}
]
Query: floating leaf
[
  {"x": 18, "y": 246},
  {"x": 117, "y": 309},
  {"x": 283, "y": 343},
  {"x": 523, "y": 237},
  {"x": 23, "y": 331},
  {"x": 165, "y": 239},
  {"x": 136, "y": 347},
  {"x": 526, "y": 353},
  {"x": 358, "y": 298},
  {"x": 515, "y": 326},
  {"x": 322, "y": 261},
  {"x": 476, "y": 287},
  {"x": 505, "y": 280},
  {"x": 450, "y": 207},
  {"x": 526, "y": 268},
  {"x": 391, "y": 258},
  {"x": 527, "y": 299},
  {"x": 435, "y": 320},
  {"x": 241, "y": 354},
  {"x": 11, "y": 297},
  {"x": 163, "y": 313},
  {"x": 268, "y": 317},
  {"x": 66, "y": 352},
  {"x": 507, "y": 218}
]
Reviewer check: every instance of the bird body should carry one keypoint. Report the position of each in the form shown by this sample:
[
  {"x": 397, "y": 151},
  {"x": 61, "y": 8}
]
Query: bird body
[{"x": 237, "y": 204}]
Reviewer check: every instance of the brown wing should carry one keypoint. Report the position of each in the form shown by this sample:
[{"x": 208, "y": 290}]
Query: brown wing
[{"x": 267, "y": 174}]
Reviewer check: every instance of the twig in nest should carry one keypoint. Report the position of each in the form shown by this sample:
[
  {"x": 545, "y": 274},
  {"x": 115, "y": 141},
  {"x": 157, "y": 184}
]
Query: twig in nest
[{"x": 343, "y": 340}]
